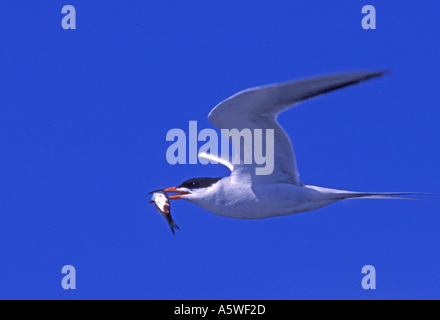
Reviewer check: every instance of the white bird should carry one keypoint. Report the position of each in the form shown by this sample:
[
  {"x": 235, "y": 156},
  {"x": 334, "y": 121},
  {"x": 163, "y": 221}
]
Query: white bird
[{"x": 245, "y": 195}]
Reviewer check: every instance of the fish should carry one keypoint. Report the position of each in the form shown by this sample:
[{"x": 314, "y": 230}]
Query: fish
[{"x": 162, "y": 203}]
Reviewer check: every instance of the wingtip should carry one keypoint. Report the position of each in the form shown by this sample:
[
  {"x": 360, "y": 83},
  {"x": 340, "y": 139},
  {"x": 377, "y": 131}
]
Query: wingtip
[
  {"x": 370, "y": 74},
  {"x": 378, "y": 73},
  {"x": 382, "y": 73}
]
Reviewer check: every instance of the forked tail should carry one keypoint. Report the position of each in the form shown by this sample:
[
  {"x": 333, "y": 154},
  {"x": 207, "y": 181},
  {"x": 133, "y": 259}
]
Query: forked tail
[
  {"x": 382, "y": 195},
  {"x": 334, "y": 194}
]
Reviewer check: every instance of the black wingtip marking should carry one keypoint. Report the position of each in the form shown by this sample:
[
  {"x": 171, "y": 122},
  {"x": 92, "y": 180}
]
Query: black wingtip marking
[{"x": 387, "y": 72}]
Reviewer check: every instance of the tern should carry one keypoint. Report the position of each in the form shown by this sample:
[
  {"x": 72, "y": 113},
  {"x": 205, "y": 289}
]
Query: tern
[{"x": 244, "y": 194}]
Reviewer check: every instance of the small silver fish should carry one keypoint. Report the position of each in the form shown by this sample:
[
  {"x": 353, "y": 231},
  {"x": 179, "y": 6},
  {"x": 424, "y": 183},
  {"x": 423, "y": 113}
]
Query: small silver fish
[{"x": 162, "y": 203}]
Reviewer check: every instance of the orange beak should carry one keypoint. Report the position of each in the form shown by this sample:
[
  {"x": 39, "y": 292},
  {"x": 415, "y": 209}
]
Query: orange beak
[{"x": 177, "y": 196}]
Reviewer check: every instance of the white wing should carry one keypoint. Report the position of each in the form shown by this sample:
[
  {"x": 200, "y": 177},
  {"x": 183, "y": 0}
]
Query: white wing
[
  {"x": 211, "y": 157},
  {"x": 258, "y": 108}
]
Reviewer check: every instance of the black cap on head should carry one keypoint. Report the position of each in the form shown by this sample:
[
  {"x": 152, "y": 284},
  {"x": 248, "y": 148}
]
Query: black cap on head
[{"x": 197, "y": 183}]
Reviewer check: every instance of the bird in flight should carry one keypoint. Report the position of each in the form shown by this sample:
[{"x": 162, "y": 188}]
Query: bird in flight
[{"x": 246, "y": 195}]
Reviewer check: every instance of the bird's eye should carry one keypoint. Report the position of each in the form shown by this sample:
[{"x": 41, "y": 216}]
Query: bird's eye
[
  {"x": 192, "y": 185},
  {"x": 198, "y": 183}
]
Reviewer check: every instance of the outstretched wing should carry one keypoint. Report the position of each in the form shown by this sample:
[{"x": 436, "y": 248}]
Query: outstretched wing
[{"x": 258, "y": 108}]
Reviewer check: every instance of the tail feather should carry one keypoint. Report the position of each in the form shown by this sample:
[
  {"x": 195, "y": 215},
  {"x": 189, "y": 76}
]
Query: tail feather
[
  {"x": 380, "y": 195},
  {"x": 335, "y": 194}
]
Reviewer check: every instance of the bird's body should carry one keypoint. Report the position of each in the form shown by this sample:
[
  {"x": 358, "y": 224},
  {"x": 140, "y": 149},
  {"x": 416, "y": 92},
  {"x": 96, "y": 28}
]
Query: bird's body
[
  {"x": 236, "y": 197},
  {"x": 245, "y": 194}
]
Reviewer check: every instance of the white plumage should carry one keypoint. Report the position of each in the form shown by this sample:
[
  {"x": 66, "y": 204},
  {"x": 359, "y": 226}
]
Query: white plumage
[{"x": 246, "y": 195}]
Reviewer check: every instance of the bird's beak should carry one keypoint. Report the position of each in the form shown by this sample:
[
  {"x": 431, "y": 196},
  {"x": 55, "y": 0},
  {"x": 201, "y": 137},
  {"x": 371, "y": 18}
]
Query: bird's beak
[
  {"x": 173, "y": 189},
  {"x": 177, "y": 196}
]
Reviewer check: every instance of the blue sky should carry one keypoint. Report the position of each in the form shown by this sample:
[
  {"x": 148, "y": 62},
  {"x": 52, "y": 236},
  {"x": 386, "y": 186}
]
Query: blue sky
[{"x": 84, "y": 115}]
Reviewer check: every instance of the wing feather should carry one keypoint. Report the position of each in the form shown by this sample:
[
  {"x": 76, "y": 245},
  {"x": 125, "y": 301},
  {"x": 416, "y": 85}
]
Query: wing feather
[{"x": 258, "y": 108}]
